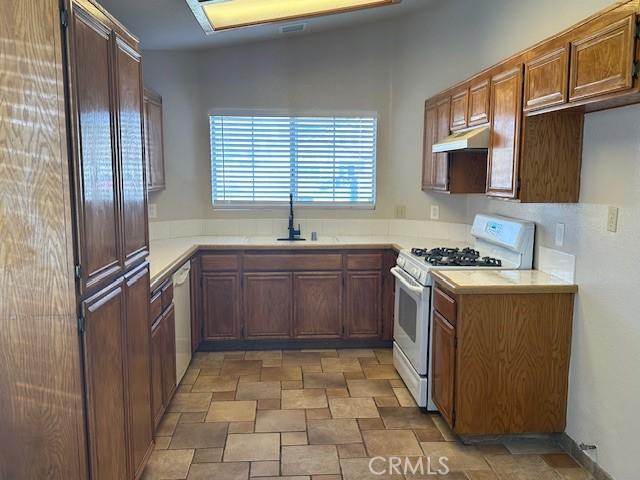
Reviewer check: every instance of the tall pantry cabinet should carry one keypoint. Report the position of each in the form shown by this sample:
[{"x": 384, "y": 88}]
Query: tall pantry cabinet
[{"x": 78, "y": 203}]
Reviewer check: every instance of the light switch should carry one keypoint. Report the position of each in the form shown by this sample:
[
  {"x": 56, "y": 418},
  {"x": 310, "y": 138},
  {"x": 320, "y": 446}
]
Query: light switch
[
  {"x": 435, "y": 212},
  {"x": 612, "y": 219},
  {"x": 153, "y": 210},
  {"x": 559, "y": 234}
]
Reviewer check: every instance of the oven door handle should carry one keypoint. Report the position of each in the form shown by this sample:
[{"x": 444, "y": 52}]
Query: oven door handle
[{"x": 395, "y": 271}]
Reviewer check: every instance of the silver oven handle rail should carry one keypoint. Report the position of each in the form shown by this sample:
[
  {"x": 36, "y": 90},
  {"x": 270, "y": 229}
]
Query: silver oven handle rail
[{"x": 396, "y": 272}]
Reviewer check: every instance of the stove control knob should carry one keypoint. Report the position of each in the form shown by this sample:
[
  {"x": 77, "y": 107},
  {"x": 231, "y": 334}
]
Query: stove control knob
[{"x": 401, "y": 261}]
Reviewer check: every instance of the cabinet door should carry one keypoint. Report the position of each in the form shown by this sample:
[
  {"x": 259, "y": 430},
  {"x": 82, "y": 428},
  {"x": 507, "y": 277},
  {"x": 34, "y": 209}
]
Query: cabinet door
[
  {"x": 139, "y": 367},
  {"x": 96, "y": 175},
  {"x": 317, "y": 304},
  {"x": 504, "y": 145},
  {"x": 154, "y": 140},
  {"x": 157, "y": 348},
  {"x": 479, "y": 96},
  {"x": 603, "y": 62},
  {"x": 221, "y": 306},
  {"x": 459, "y": 109},
  {"x": 169, "y": 355},
  {"x": 545, "y": 80},
  {"x": 443, "y": 366},
  {"x": 441, "y": 163},
  {"x": 430, "y": 137},
  {"x": 104, "y": 364},
  {"x": 267, "y": 305},
  {"x": 134, "y": 195},
  {"x": 364, "y": 304}
]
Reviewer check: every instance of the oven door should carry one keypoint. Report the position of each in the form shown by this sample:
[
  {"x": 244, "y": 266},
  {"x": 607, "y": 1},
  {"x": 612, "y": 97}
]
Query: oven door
[{"x": 411, "y": 319}]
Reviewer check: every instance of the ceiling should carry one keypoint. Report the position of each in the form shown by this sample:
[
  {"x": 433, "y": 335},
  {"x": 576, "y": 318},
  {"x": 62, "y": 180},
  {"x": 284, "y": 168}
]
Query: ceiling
[{"x": 170, "y": 24}]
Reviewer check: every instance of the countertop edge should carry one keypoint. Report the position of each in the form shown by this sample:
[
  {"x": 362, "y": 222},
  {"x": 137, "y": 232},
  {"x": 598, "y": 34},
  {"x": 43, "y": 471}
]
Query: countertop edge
[{"x": 453, "y": 287}]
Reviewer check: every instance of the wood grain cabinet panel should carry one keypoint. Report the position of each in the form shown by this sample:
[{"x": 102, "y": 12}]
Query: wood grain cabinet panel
[
  {"x": 602, "y": 62},
  {"x": 545, "y": 80},
  {"x": 157, "y": 352},
  {"x": 430, "y": 138},
  {"x": 134, "y": 196},
  {"x": 479, "y": 96},
  {"x": 138, "y": 338},
  {"x": 504, "y": 145},
  {"x": 435, "y": 167},
  {"x": 459, "y": 110},
  {"x": 443, "y": 366},
  {"x": 221, "y": 306},
  {"x": 154, "y": 151},
  {"x": 267, "y": 305},
  {"x": 104, "y": 363},
  {"x": 441, "y": 163},
  {"x": 169, "y": 355},
  {"x": 97, "y": 191},
  {"x": 317, "y": 304},
  {"x": 363, "y": 305}
]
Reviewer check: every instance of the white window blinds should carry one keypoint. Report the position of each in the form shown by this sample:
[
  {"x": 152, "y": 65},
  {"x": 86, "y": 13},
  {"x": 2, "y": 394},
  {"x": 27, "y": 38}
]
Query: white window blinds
[{"x": 259, "y": 160}]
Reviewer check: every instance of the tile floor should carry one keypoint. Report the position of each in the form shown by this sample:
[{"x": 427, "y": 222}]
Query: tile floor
[{"x": 320, "y": 415}]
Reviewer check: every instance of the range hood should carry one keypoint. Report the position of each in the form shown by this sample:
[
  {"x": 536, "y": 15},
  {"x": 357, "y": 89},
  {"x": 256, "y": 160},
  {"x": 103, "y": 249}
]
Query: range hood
[{"x": 471, "y": 139}]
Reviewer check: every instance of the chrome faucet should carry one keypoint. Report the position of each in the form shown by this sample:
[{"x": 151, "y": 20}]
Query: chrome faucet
[{"x": 294, "y": 234}]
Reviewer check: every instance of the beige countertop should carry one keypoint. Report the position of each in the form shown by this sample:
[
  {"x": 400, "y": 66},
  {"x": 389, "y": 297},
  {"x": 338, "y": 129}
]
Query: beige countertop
[
  {"x": 166, "y": 256},
  {"x": 501, "y": 281}
]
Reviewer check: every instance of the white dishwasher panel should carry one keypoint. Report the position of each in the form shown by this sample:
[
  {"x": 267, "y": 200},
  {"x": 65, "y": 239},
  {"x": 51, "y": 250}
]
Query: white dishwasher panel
[{"x": 182, "y": 304}]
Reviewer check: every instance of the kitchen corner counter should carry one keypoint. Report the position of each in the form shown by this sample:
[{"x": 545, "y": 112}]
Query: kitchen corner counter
[
  {"x": 167, "y": 255},
  {"x": 470, "y": 282}
]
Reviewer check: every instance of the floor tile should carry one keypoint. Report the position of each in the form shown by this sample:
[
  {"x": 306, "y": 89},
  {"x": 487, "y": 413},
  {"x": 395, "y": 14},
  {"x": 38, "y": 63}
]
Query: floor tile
[
  {"x": 310, "y": 460},
  {"x": 387, "y": 443},
  {"x": 300, "y": 399},
  {"x": 381, "y": 372},
  {"x": 168, "y": 465},
  {"x": 559, "y": 460},
  {"x": 573, "y": 474},
  {"x": 406, "y": 418},
  {"x": 441, "y": 425},
  {"x": 301, "y": 358},
  {"x": 265, "y": 469},
  {"x": 167, "y": 424},
  {"x": 252, "y": 447},
  {"x": 280, "y": 373},
  {"x": 521, "y": 467},
  {"x": 226, "y": 471},
  {"x": 386, "y": 401},
  {"x": 353, "y": 408},
  {"x": 534, "y": 446},
  {"x": 269, "y": 404},
  {"x": 341, "y": 364},
  {"x": 384, "y": 356},
  {"x": 294, "y": 438},
  {"x": 238, "y": 355},
  {"x": 369, "y": 388},
  {"x": 356, "y": 352},
  {"x": 359, "y": 469},
  {"x": 215, "y": 384},
  {"x": 485, "y": 449},
  {"x": 233, "y": 411},
  {"x": 352, "y": 450},
  {"x": 318, "y": 413},
  {"x": 210, "y": 372},
  {"x": 481, "y": 475},
  {"x": 190, "y": 402},
  {"x": 263, "y": 355},
  {"x": 324, "y": 380},
  {"x": 199, "y": 435},
  {"x": 224, "y": 396},
  {"x": 460, "y": 457},
  {"x": 370, "y": 424},
  {"x": 253, "y": 378},
  {"x": 428, "y": 434},
  {"x": 397, "y": 383},
  {"x": 333, "y": 431},
  {"x": 241, "y": 427},
  {"x": 192, "y": 417},
  {"x": 190, "y": 376},
  {"x": 291, "y": 384},
  {"x": 207, "y": 360},
  {"x": 280, "y": 421},
  {"x": 311, "y": 369},
  {"x": 405, "y": 399},
  {"x": 337, "y": 393},
  {"x": 183, "y": 389},
  {"x": 241, "y": 367},
  {"x": 355, "y": 375},
  {"x": 258, "y": 391},
  {"x": 365, "y": 362},
  {"x": 326, "y": 477},
  {"x": 161, "y": 443},
  {"x": 208, "y": 455}
]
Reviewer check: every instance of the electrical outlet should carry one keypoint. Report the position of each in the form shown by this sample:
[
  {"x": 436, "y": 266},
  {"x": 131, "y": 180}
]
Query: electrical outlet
[
  {"x": 435, "y": 212},
  {"x": 612, "y": 219},
  {"x": 153, "y": 210},
  {"x": 559, "y": 234},
  {"x": 401, "y": 211}
]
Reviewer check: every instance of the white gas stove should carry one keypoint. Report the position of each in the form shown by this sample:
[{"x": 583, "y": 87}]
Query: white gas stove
[{"x": 498, "y": 243}]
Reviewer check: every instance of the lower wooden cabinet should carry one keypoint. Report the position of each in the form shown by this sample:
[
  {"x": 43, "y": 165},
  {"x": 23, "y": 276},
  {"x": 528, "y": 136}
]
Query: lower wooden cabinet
[
  {"x": 268, "y": 305},
  {"x": 443, "y": 365},
  {"x": 221, "y": 295},
  {"x": 363, "y": 307},
  {"x": 169, "y": 358},
  {"x": 157, "y": 349},
  {"x": 317, "y": 304}
]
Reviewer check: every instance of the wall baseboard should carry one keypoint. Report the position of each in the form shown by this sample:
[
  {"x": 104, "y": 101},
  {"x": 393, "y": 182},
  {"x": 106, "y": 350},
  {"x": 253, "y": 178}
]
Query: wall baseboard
[{"x": 569, "y": 445}]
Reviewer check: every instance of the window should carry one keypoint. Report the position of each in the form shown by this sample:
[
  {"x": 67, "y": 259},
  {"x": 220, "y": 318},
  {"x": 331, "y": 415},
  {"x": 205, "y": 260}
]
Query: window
[{"x": 325, "y": 161}]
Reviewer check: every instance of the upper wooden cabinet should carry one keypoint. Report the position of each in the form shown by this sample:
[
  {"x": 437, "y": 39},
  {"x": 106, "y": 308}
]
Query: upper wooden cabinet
[
  {"x": 435, "y": 171},
  {"x": 479, "y": 96},
  {"x": 154, "y": 149},
  {"x": 504, "y": 144},
  {"x": 602, "y": 62},
  {"x": 459, "y": 110},
  {"x": 545, "y": 80}
]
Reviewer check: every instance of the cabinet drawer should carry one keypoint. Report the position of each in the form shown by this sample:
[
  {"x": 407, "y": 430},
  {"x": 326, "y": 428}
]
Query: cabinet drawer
[
  {"x": 155, "y": 307},
  {"x": 167, "y": 295},
  {"x": 289, "y": 262},
  {"x": 364, "y": 261},
  {"x": 220, "y": 263},
  {"x": 445, "y": 305}
]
